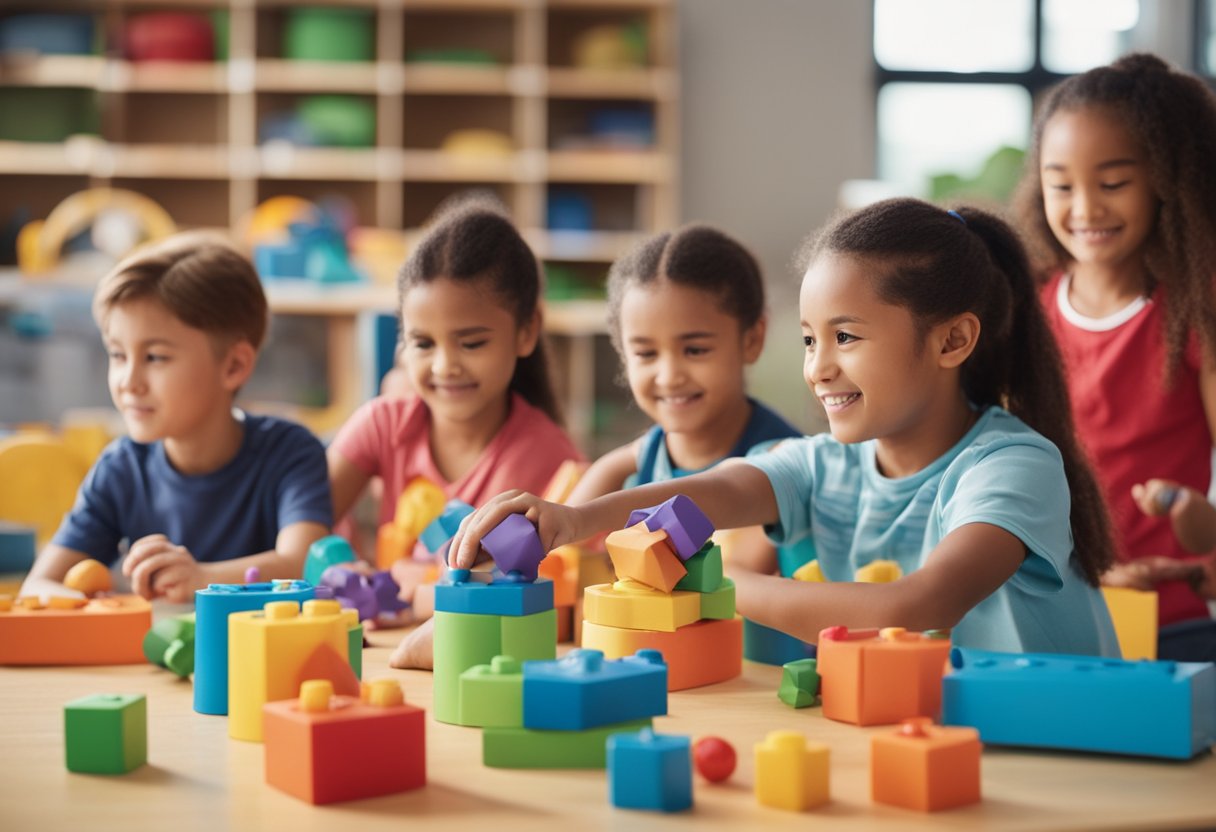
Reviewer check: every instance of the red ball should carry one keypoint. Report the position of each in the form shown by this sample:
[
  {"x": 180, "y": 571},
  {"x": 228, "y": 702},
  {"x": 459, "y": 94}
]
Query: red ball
[{"x": 714, "y": 758}]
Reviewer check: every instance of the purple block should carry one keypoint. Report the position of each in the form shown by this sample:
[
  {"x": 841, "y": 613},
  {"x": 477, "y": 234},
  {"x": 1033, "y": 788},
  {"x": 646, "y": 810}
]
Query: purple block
[
  {"x": 515, "y": 547},
  {"x": 353, "y": 587},
  {"x": 686, "y": 525},
  {"x": 386, "y": 589}
]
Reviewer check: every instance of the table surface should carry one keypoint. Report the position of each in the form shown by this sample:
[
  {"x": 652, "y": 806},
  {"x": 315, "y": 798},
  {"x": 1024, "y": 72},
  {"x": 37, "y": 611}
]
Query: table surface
[{"x": 198, "y": 778}]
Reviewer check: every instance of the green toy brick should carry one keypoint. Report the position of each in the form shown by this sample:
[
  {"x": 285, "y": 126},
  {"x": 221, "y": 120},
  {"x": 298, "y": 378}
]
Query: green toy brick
[
  {"x": 492, "y": 695},
  {"x": 170, "y": 644},
  {"x": 720, "y": 603},
  {"x": 528, "y": 637},
  {"x": 354, "y": 649},
  {"x": 704, "y": 570},
  {"x": 799, "y": 683},
  {"x": 461, "y": 640},
  {"x": 106, "y": 733},
  {"x": 530, "y": 748}
]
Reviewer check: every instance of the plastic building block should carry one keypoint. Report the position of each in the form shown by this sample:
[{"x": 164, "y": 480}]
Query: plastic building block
[
  {"x": 324, "y": 748},
  {"x": 421, "y": 501},
  {"x": 684, "y": 522},
  {"x": 18, "y": 546},
  {"x": 925, "y": 767},
  {"x": 799, "y": 684},
  {"x": 649, "y": 771},
  {"x": 530, "y": 637},
  {"x": 811, "y": 572},
  {"x": 791, "y": 773},
  {"x": 699, "y": 654},
  {"x": 392, "y": 544},
  {"x": 1134, "y": 614},
  {"x": 881, "y": 677},
  {"x": 271, "y": 652},
  {"x": 529, "y": 748},
  {"x": 704, "y": 570},
  {"x": 721, "y": 602},
  {"x": 443, "y": 528},
  {"x": 212, "y": 606},
  {"x": 714, "y": 758},
  {"x": 879, "y": 572},
  {"x": 562, "y": 567},
  {"x": 106, "y": 733},
  {"x": 634, "y": 606},
  {"x": 74, "y": 631},
  {"x": 324, "y": 553},
  {"x": 563, "y": 481},
  {"x": 645, "y": 556},
  {"x": 1111, "y": 706},
  {"x": 491, "y": 695},
  {"x": 764, "y": 645},
  {"x": 497, "y": 597},
  {"x": 354, "y": 648},
  {"x": 515, "y": 547},
  {"x": 370, "y": 596},
  {"x": 170, "y": 644},
  {"x": 90, "y": 577},
  {"x": 581, "y": 690}
]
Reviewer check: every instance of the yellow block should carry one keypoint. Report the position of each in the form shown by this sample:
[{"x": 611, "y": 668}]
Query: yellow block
[
  {"x": 269, "y": 649},
  {"x": 634, "y": 606},
  {"x": 420, "y": 503},
  {"x": 1134, "y": 613},
  {"x": 878, "y": 572},
  {"x": 810, "y": 572},
  {"x": 791, "y": 773}
]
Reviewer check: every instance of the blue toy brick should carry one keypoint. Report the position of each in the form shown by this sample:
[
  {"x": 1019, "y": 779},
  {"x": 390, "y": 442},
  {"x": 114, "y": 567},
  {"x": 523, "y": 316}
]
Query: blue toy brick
[
  {"x": 443, "y": 528},
  {"x": 515, "y": 547},
  {"x": 212, "y": 606},
  {"x": 650, "y": 771},
  {"x": 765, "y": 645},
  {"x": 582, "y": 690},
  {"x": 17, "y": 547},
  {"x": 1085, "y": 703},
  {"x": 500, "y": 597},
  {"x": 686, "y": 525}
]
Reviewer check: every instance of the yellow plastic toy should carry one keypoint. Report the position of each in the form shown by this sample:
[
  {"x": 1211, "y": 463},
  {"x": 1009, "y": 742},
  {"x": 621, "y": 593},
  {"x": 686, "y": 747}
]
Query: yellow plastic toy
[
  {"x": 791, "y": 773},
  {"x": 634, "y": 606},
  {"x": 478, "y": 143},
  {"x": 39, "y": 476},
  {"x": 1134, "y": 614},
  {"x": 420, "y": 502},
  {"x": 809, "y": 571},
  {"x": 879, "y": 572}
]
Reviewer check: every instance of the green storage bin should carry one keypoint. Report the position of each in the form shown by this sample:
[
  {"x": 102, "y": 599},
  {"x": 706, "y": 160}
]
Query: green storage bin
[
  {"x": 339, "y": 120},
  {"x": 29, "y": 114},
  {"x": 325, "y": 34}
]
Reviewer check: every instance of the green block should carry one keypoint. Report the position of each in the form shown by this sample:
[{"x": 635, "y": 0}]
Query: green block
[
  {"x": 704, "y": 570},
  {"x": 492, "y": 695},
  {"x": 461, "y": 640},
  {"x": 170, "y": 644},
  {"x": 721, "y": 602},
  {"x": 528, "y": 637},
  {"x": 106, "y": 733},
  {"x": 531, "y": 748},
  {"x": 799, "y": 683},
  {"x": 354, "y": 649}
]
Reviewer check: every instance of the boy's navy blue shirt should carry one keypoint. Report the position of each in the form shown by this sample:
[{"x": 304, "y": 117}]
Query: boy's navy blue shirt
[{"x": 277, "y": 478}]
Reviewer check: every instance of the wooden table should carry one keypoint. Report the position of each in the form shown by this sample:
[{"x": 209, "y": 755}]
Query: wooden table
[{"x": 198, "y": 778}]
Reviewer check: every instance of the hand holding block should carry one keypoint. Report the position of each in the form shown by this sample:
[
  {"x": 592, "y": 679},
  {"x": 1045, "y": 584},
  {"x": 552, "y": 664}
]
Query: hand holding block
[
  {"x": 515, "y": 547},
  {"x": 684, "y": 522}
]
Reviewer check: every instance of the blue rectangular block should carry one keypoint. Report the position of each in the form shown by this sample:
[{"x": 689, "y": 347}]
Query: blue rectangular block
[
  {"x": 768, "y": 646},
  {"x": 1083, "y": 703},
  {"x": 650, "y": 771},
  {"x": 499, "y": 597},
  {"x": 582, "y": 690}
]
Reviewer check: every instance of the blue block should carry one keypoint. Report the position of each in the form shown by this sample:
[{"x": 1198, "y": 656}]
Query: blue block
[
  {"x": 1083, "y": 703},
  {"x": 650, "y": 771},
  {"x": 443, "y": 528},
  {"x": 17, "y": 547},
  {"x": 768, "y": 646},
  {"x": 581, "y": 690},
  {"x": 498, "y": 597},
  {"x": 212, "y": 606}
]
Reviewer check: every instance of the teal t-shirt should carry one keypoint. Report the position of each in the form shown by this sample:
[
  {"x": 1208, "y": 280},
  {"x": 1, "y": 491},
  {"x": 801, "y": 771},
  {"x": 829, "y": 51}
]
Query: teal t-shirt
[{"x": 1001, "y": 472}]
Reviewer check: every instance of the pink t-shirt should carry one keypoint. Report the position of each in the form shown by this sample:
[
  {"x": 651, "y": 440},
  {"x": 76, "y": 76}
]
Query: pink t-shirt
[{"x": 389, "y": 437}]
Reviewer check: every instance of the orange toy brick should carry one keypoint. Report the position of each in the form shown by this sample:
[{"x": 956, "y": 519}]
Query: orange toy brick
[
  {"x": 645, "y": 556},
  {"x": 74, "y": 630},
  {"x": 324, "y": 748},
  {"x": 925, "y": 766},
  {"x": 561, "y": 567},
  {"x": 880, "y": 677},
  {"x": 703, "y": 653},
  {"x": 392, "y": 544}
]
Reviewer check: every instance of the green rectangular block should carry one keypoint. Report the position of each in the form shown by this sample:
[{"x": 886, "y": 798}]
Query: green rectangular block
[
  {"x": 704, "y": 570},
  {"x": 529, "y": 637},
  {"x": 354, "y": 649},
  {"x": 721, "y": 602},
  {"x": 531, "y": 748},
  {"x": 492, "y": 695},
  {"x": 461, "y": 640},
  {"x": 106, "y": 733}
]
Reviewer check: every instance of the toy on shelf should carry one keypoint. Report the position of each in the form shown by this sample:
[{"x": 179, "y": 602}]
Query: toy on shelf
[
  {"x": 329, "y": 34},
  {"x": 169, "y": 36},
  {"x": 312, "y": 246},
  {"x": 474, "y": 143},
  {"x": 611, "y": 46},
  {"x": 925, "y": 767},
  {"x": 89, "y": 577},
  {"x": 326, "y": 748},
  {"x": 73, "y": 631},
  {"x": 421, "y": 501},
  {"x": 881, "y": 677},
  {"x": 46, "y": 34},
  {"x": 714, "y": 758},
  {"x": 1134, "y": 614},
  {"x": 649, "y": 771},
  {"x": 106, "y": 733},
  {"x": 799, "y": 683},
  {"x": 170, "y": 644},
  {"x": 791, "y": 773}
]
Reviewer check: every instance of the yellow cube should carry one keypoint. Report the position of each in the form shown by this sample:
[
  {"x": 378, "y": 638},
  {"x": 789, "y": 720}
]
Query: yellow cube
[{"x": 791, "y": 773}]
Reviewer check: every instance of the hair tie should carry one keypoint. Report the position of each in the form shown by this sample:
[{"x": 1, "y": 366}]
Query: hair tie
[{"x": 958, "y": 216}]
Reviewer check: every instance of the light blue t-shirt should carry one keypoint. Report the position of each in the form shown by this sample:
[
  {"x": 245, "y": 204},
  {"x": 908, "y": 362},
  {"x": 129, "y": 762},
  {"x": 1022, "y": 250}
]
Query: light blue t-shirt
[{"x": 1001, "y": 472}]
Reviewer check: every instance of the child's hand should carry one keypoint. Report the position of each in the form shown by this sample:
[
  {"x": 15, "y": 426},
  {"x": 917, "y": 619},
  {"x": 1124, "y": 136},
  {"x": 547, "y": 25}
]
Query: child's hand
[
  {"x": 158, "y": 568},
  {"x": 1192, "y": 516},
  {"x": 1203, "y": 579},
  {"x": 1145, "y": 573},
  {"x": 556, "y": 524}
]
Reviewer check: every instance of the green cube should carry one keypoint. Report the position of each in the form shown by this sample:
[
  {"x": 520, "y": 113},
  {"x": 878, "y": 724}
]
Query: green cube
[
  {"x": 106, "y": 733},
  {"x": 799, "y": 683},
  {"x": 533, "y": 748},
  {"x": 530, "y": 637},
  {"x": 721, "y": 602},
  {"x": 704, "y": 570},
  {"x": 492, "y": 695}
]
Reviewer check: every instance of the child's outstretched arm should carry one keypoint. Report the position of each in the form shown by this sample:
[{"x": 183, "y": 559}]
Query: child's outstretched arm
[
  {"x": 49, "y": 569},
  {"x": 605, "y": 475}
]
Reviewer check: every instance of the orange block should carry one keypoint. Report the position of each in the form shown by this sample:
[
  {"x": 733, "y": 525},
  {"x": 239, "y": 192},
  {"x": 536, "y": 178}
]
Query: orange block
[
  {"x": 561, "y": 567},
  {"x": 392, "y": 543},
  {"x": 101, "y": 631},
  {"x": 699, "y": 654},
  {"x": 646, "y": 557},
  {"x": 880, "y": 677},
  {"x": 925, "y": 766}
]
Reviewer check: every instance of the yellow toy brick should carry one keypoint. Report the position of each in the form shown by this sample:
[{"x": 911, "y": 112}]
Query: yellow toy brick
[
  {"x": 632, "y": 606},
  {"x": 878, "y": 572},
  {"x": 420, "y": 503},
  {"x": 791, "y": 773},
  {"x": 645, "y": 556},
  {"x": 810, "y": 572},
  {"x": 1134, "y": 614},
  {"x": 271, "y": 652}
]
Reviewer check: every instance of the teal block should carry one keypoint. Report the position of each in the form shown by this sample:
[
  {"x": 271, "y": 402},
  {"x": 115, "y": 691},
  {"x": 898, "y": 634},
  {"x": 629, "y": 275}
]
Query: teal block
[
  {"x": 530, "y": 748},
  {"x": 461, "y": 641},
  {"x": 492, "y": 695},
  {"x": 528, "y": 637},
  {"x": 704, "y": 570},
  {"x": 719, "y": 604},
  {"x": 106, "y": 733},
  {"x": 799, "y": 683}
]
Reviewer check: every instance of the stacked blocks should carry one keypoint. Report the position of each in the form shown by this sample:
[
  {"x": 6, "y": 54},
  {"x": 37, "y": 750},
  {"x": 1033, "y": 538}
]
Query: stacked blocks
[
  {"x": 322, "y": 554},
  {"x": 324, "y": 748},
  {"x": 515, "y": 547},
  {"x": 212, "y": 606},
  {"x": 881, "y": 677},
  {"x": 1112, "y": 706},
  {"x": 443, "y": 528},
  {"x": 700, "y": 654},
  {"x": 419, "y": 504},
  {"x": 636, "y": 606},
  {"x": 646, "y": 556},
  {"x": 1134, "y": 614},
  {"x": 106, "y": 733},
  {"x": 799, "y": 684},
  {"x": 562, "y": 566},
  {"x": 765, "y": 645},
  {"x": 925, "y": 767},
  {"x": 73, "y": 631},
  {"x": 170, "y": 644},
  {"x": 686, "y": 525},
  {"x": 791, "y": 773},
  {"x": 650, "y": 771},
  {"x": 272, "y": 652}
]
